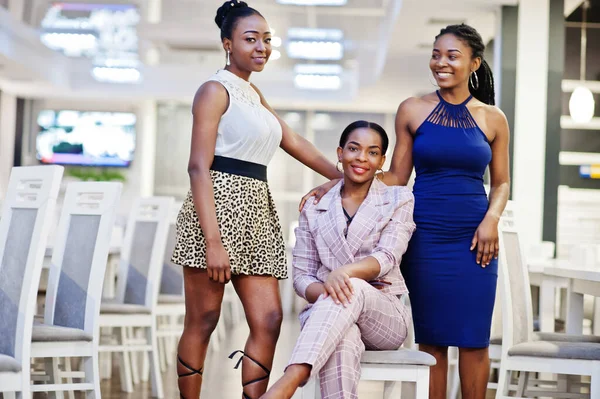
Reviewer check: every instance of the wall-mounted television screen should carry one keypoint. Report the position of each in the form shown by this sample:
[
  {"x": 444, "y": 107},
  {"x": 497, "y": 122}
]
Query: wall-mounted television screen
[{"x": 86, "y": 138}]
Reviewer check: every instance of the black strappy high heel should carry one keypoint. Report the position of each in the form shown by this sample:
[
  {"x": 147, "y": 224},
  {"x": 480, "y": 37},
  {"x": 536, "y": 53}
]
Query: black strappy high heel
[
  {"x": 193, "y": 371},
  {"x": 266, "y": 370}
]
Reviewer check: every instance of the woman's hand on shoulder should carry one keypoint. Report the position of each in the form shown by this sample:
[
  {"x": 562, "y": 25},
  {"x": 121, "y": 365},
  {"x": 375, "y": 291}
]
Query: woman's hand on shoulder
[{"x": 318, "y": 193}]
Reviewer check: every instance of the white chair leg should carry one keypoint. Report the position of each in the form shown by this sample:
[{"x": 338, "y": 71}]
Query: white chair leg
[
  {"x": 53, "y": 372},
  {"x": 408, "y": 390},
  {"x": 155, "y": 377},
  {"x": 106, "y": 357},
  {"x": 134, "y": 356},
  {"x": 125, "y": 366},
  {"x": 145, "y": 364},
  {"x": 91, "y": 368},
  {"x": 595, "y": 380},
  {"x": 69, "y": 380},
  {"x": 392, "y": 390},
  {"x": 422, "y": 383},
  {"x": 523, "y": 382},
  {"x": 162, "y": 353},
  {"x": 172, "y": 341},
  {"x": 453, "y": 376},
  {"x": 503, "y": 381}
]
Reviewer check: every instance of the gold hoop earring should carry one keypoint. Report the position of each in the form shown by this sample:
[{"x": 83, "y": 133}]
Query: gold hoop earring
[
  {"x": 337, "y": 167},
  {"x": 228, "y": 60},
  {"x": 382, "y": 174}
]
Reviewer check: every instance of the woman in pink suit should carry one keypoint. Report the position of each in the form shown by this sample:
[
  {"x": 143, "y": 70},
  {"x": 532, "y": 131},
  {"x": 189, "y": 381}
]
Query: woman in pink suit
[{"x": 346, "y": 265}]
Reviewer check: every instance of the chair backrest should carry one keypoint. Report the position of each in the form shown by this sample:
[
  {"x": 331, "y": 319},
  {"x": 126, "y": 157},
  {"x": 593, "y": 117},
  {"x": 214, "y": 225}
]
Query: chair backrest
[
  {"x": 143, "y": 251},
  {"x": 80, "y": 254},
  {"x": 517, "y": 313},
  {"x": 27, "y": 214},
  {"x": 171, "y": 282}
]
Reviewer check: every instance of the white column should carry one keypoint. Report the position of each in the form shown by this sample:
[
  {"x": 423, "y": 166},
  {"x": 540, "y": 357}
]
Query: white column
[
  {"x": 147, "y": 117},
  {"x": 153, "y": 16},
  {"x": 8, "y": 120},
  {"x": 530, "y": 116},
  {"x": 16, "y": 8},
  {"x": 148, "y": 113}
]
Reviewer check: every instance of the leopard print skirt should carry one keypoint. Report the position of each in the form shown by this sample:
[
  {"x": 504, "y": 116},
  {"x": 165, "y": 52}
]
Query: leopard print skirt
[{"x": 249, "y": 226}]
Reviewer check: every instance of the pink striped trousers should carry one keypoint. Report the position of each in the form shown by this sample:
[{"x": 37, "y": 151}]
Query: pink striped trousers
[{"x": 333, "y": 337}]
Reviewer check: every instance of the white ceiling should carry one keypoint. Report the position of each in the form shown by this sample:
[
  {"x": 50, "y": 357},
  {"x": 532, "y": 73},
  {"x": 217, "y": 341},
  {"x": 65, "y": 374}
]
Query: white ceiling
[{"x": 387, "y": 50}]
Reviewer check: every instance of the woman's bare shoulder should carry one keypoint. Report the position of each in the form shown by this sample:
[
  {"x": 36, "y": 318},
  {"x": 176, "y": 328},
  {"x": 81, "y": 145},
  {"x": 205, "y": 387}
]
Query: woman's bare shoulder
[{"x": 210, "y": 92}]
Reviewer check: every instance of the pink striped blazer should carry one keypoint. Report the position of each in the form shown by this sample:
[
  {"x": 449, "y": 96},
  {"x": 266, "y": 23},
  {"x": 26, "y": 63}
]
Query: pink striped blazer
[{"x": 381, "y": 228}]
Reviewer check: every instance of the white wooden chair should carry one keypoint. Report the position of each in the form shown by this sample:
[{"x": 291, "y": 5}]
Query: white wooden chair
[
  {"x": 138, "y": 286},
  {"x": 391, "y": 367},
  {"x": 27, "y": 213},
  {"x": 522, "y": 350},
  {"x": 70, "y": 328},
  {"x": 394, "y": 368}
]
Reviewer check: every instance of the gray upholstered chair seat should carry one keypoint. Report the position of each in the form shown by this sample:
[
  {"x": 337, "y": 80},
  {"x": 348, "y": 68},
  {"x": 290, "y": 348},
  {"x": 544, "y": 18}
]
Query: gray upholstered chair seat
[
  {"x": 496, "y": 340},
  {"x": 165, "y": 298},
  {"x": 123, "y": 308},
  {"x": 400, "y": 356},
  {"x": 47, "y": 333},
  {"x": 9, "y": 364},
  {"x": 557, "y": 350},
  {"x": 555, "y": 337}
]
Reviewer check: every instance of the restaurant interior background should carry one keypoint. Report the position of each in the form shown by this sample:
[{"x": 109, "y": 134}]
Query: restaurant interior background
[{"x": 144, "y": 59}]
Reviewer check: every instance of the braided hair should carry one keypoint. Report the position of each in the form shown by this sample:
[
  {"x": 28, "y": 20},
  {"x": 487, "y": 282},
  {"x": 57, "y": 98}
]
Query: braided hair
[
  {"x": 484, "y": 91},
  {"x": 229, "y": 14}
]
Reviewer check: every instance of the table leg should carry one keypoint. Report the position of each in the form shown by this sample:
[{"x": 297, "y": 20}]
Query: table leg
[
  {"x": 575, "y": 311},
  {"x": 547, "y": 301}
]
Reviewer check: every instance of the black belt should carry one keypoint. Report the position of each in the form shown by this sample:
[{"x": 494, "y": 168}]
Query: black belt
[{"x": 239, "y": 167}]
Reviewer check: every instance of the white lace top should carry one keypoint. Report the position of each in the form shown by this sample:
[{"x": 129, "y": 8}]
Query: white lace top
[{"x": 247, "y": 130}]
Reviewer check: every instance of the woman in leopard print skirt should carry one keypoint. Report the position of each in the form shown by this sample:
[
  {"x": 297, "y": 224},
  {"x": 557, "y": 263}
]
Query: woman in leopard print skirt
[{"x": 228, "y": 228}]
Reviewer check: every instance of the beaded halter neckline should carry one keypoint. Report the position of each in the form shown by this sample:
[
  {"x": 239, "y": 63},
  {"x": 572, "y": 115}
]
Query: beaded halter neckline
[{"x": 452, "y": 115}]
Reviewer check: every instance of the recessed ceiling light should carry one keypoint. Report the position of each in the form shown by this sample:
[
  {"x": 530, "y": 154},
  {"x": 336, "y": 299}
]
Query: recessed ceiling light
[
  {"x": 275, "y": 55},
  {"x": 314, "y": 2},
  {"x": 334, "y": 35},
  {"x": 275, "y": 41},
  {"x": 322, "y": 51},
  {"x": 318, "y": 82},
  {"x": 116, "y": 75},
  {"x": 72, "y": 44},
  {"x": 445, "y": 21},
  {"x": 318, "y": 69}
]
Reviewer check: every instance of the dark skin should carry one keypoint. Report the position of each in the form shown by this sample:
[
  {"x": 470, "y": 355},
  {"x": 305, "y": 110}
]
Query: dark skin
[
  {"x": 361, "y": 157},
  {"x": 451, "y": 64},
  {"x": 249, "y": 48}
]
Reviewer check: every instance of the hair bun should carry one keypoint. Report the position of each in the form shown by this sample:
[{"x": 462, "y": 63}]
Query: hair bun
[{"x": 226, "y": 8}]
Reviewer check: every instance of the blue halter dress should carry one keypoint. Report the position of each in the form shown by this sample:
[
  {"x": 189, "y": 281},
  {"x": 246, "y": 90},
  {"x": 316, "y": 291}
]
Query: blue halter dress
[{"x": 452, "y": 297}]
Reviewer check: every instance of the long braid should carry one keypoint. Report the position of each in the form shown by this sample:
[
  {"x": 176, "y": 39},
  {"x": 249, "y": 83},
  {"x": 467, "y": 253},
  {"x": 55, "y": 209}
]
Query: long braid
[{"x": 484, "y": 92}]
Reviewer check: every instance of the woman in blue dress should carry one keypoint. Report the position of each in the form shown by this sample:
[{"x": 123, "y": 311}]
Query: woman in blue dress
[{"x": 451, "y": 136}]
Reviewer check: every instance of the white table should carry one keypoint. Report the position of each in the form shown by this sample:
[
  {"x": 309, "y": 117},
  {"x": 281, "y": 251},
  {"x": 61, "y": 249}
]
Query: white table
[{"x": 579, "y": 281}]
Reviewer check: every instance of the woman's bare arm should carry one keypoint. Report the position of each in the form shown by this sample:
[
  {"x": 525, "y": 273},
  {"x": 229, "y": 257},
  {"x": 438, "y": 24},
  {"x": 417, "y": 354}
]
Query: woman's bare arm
[
  {"x": 402, "y": 162},
  {"x": 210, "y": 103}
]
